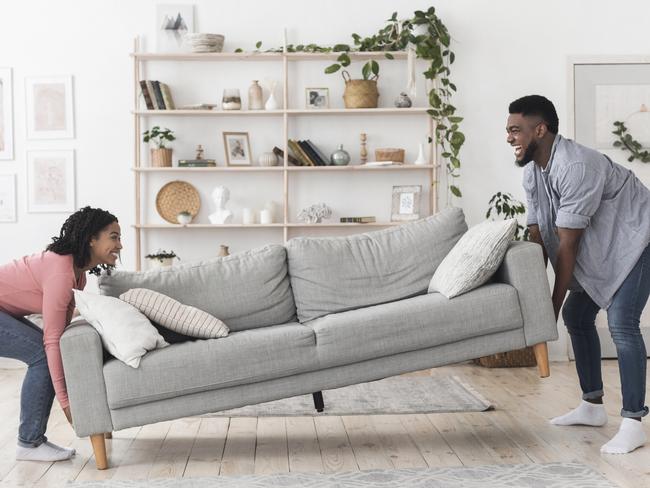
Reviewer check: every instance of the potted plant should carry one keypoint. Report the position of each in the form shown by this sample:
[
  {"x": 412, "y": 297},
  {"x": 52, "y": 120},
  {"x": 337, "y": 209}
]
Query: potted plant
[
  {"x": 161, "y": 155},
  {"x": 161, "y": 258}
]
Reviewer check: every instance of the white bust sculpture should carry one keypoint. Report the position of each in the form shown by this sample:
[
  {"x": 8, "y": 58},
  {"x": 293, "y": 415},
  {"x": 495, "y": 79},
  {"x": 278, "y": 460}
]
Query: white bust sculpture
[{"x": 221, "y": 215}]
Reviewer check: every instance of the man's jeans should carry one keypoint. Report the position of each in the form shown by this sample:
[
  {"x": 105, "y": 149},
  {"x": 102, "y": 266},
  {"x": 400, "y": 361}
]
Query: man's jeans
[
  {"x": 22, "y": 340},
  {"x": 579, "y": 314}
]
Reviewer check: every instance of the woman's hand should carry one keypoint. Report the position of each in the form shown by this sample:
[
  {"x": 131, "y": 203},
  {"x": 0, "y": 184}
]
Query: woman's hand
[{"x": 68, "y": 415}]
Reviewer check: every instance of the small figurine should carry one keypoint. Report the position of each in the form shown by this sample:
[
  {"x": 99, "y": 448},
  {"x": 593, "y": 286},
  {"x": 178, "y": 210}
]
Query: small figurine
[
  {"x": 403, "y": 101},
  {"x": 199, "y": 152}
]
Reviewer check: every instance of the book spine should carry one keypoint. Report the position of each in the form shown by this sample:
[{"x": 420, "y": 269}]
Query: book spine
[
  {"x": 280, "y": 154},
  {"x": 159, "y": 98},
  {"x": 310, "y": 153},
  {"x": 167, "y": 96},
  {"x": 152, "y": 94},
  {"x": 322, "y": 159},
  {"x": 146, "y": 95},
  {"x": 358, "y": 220},
  {"x": 298, "y": 153}
]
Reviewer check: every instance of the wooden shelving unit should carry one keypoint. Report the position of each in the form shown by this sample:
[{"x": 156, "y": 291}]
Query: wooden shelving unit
[{"x": 140, "y": 171}]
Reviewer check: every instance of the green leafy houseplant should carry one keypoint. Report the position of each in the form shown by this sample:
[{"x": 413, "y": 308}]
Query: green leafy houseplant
[
  {"x": 161, "y": 255},
  {"x": 626, "y": 142},
  {"x": 506, "y": 207},
  {"x": 431, "y": 39},
  {"x": 158, "y": 136}
]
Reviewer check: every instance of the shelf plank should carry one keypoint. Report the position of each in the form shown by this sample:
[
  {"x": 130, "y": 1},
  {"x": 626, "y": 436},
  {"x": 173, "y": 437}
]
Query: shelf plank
[
  {"x": 176, "y": 169},
  {"x": 360, "y": 167},
  {"x": 257, "y": 56},
  {"x": 353, "y": 167},
  {"x": 258, "y": 226},
  {"x": 359, "y": 111},
  {"x": 347, "y": 224},
  {"x": 280, "y": 112},
  {"x": 211, "y": 113}
]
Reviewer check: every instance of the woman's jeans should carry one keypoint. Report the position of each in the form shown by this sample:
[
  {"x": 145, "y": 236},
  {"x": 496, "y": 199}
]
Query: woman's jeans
[
  {"x": 22, "y": 340},
  {"x": 579, "y": 314}
]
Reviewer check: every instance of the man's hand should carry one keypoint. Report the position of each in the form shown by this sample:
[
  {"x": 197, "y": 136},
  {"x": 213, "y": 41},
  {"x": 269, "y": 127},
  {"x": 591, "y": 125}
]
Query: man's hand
[
  {"x": 536, "y": 236},
  {"x": 68, "y": 415}
]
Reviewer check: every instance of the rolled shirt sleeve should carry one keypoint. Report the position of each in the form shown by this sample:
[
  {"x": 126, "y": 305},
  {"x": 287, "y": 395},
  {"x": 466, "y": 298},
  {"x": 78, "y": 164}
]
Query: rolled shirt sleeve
[{"x": 581, "y": 188}]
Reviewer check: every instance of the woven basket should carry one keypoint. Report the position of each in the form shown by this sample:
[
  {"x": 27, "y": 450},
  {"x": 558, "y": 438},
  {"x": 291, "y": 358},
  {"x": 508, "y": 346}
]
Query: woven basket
[
  {"x": 161, "y": 157},
  {"x": 389, "y": 154},
  {"x": 176, "y": 197},
  {"x": 512, "y": 359},
  {"x": 360, "y": 93}
]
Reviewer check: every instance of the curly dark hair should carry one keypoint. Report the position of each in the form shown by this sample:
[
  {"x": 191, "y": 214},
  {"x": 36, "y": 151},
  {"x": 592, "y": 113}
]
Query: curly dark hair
[{"x": 76, "y": 233}]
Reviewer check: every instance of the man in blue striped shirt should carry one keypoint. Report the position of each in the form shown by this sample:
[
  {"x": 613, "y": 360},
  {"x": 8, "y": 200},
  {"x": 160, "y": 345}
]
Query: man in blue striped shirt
[{"x": 592, "y": 218}]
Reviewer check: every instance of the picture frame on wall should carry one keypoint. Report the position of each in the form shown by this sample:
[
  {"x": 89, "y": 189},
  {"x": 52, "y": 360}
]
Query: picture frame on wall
[
  {"x": 406, "y": 203},
  {"x": 7, "y": 197},
  {"x": 317, "y": 98},
  {"x": 238, "y": 148},
  {"x": 50, "y": 181},
  {"x": 50, "y": 107},
  {"x": 6, "y": 115},
  {"x": 173, "y": 21}
]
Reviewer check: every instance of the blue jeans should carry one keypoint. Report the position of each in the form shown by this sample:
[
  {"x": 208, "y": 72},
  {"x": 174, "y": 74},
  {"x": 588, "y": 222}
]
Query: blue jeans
[
  {"x": 579, "y": 314},
  {"x": 22, "y": 340}
]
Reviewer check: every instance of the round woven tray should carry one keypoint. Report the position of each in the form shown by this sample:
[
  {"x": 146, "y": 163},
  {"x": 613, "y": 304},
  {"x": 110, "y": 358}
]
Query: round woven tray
[{"x": 176, "y": 197}]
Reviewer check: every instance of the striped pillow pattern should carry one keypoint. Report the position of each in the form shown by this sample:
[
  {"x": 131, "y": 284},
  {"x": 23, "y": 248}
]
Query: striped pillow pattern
[{"x": 175, "y": 316}]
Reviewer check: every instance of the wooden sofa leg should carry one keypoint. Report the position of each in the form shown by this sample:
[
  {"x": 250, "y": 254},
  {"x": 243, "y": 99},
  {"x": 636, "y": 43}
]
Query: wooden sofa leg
[
  {"x": 319, "y": 403},
  {"x": 99, "y": 448},
  {"x": 541, "y": 355}
]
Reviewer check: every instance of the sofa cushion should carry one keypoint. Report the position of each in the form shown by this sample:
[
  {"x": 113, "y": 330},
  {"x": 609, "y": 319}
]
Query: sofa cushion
[
  {"x": 415, "y": 323},
  {"x": 245, "y": 290},
  {"x": 243, "y": 357},
  {"x": 334, "y": 274}
]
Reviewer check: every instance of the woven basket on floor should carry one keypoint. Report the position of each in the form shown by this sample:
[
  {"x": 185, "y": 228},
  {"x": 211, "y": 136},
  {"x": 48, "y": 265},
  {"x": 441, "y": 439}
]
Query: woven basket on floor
[
  {"x": 512, "y": 359},
  {"x": 360, "y": 93}
]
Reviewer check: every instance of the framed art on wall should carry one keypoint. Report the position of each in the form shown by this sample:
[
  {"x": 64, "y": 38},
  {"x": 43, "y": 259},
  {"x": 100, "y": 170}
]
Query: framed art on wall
[
  {"x": 50, "y": 109},
  {"x": 6, "y": 115},
  {"x": 173, "y": 21},
  {"x": 317, "y": 98},
  {"x": 406, "y": 203},
  {"x": 238, "y": 148},
  {"x": 50, "y": 181},
  {"x": 7, "y": 197}
]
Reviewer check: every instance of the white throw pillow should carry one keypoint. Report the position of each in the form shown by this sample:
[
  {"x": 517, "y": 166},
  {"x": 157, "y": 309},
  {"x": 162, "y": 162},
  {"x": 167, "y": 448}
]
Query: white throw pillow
[
  {"x": 474, "y": 258},
  {"x": 126, "y": 333},
  {"x": 175, "y": 316}
]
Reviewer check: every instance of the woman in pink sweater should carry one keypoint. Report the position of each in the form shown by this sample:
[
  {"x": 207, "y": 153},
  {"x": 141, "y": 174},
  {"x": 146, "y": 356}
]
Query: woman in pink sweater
[{"x": 89, "y": 240}]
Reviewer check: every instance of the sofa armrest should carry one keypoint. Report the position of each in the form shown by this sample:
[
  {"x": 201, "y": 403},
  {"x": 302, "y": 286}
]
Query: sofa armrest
[
  {"x": 83, "y": 365},
  {"x": 523, "y": 268}
]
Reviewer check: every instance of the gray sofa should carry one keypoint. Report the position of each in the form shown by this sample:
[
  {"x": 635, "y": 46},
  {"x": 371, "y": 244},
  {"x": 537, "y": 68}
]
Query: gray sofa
[{"x": 316, "y": 314}]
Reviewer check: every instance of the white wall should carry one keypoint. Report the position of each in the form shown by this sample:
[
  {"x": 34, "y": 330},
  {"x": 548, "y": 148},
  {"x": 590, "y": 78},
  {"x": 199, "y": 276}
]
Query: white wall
[{"x": 504, "y": 49}]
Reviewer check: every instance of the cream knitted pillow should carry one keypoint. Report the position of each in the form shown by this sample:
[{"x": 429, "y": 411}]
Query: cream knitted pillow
[
  {"x": 474, "y": 258},
  {"x": 175, "y": 316}
]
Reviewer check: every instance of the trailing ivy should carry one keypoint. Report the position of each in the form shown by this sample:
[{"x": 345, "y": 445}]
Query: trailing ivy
[
  {"x": 432, "y": 46},
  {"x": 627, "y": 143}
]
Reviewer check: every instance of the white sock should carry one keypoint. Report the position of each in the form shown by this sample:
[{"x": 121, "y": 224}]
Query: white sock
[
  {"x": 45, "y": 452},
  {"x": 585, "y": 414},
  {"x": 630, "y": 436}
]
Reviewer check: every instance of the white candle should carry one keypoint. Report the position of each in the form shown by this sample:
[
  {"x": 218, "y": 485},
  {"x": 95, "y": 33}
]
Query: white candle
[
  {"x": 248, "y": 216},
  {"x": 284, "y": 40},
  {"x": 265, "y": 217}
]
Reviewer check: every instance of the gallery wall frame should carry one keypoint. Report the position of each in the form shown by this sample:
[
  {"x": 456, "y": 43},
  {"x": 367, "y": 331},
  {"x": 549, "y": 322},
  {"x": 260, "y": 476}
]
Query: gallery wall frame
[
  {"x": 49, "y": 103},
  {"x": 6, "y": 115},
  {"x": 50, "y": 181},
  {"x": 8, "y": 197}
]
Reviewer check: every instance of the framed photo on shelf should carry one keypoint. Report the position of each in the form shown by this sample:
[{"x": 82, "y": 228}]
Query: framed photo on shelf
[
  {"x": 238, "y": 148},
  {"x": 7, "y": 197},
  {"x": 317, "y": 98},
  {"x": 50, "y": 110},
  {"x": 173, "y": 21},
  {"x": 406, "y": 203},
  {"x": 6, "y": 115},
  {"x": 50, "y": 181}
]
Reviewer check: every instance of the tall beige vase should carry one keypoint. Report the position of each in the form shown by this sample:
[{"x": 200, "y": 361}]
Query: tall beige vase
[
  {"x": 161, "y": 157},
  {"x": 255, "y": 98}
]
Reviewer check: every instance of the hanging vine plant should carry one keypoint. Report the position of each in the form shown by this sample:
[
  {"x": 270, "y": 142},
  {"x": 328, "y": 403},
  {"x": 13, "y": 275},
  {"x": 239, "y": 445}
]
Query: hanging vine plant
[
  {"x": 627, "y": 143},
  {"x": 431, "y": 39}
]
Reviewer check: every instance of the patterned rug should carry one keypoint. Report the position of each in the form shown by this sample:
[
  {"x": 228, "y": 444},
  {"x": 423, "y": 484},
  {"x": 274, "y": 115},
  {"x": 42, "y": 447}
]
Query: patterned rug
[
  {"x": 554, "y": 475},
  {"x": 395, "y": 395}
]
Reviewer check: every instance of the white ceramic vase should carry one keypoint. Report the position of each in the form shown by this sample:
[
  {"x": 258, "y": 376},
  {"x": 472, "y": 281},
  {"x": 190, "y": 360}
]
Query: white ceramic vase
[
  {"x": 271, "y": 102},
  {"x": 420, "y": 159}
]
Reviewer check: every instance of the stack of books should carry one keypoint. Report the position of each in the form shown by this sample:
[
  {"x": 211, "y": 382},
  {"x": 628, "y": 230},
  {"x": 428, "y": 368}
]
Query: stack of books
[
  {"x": 157, "y": 95},
  {"x": 196, "y": 163},
  {"x": 359, "y": 220},
  {"x": 307, "y": 154}
]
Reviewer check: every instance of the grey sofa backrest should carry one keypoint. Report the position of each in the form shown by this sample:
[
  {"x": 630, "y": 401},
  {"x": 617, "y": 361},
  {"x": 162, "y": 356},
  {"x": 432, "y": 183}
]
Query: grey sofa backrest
[
  {"x": 246, "y": 290},
  {"x": 333, "y": 274}
]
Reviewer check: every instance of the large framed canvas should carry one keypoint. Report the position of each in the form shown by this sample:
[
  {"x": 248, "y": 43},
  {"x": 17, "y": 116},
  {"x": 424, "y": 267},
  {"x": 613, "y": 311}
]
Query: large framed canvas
[
  {"x": 50, "y": 108},
  {"x": 6, "y": 115},
  {"x": 7, "y": 197},
  {"x": 50, "y": 181},
  {"x": 173, "y": 21}
]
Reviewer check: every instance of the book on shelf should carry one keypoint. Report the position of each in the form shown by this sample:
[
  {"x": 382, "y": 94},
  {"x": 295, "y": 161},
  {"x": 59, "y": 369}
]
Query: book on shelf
[
  {"x": 310, "y": 153},
  {"x": 319, "y": 153},
  {"x": 359, "y": 220},
  {"x": 145, "y": 94},
  {"x": 280, "y": 153},
  {"x": 196, "y": 163},
  {"x": 152, "y": 94},
  {"x": 167, "y": 96},
  {"x": 299, "y": 153},
  {"x": 158, "y": 95}
]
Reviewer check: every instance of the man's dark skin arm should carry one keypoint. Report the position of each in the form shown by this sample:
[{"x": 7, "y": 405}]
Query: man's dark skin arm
[
  {"x": 566, "y": 261},
  {"x": 536, "y": 236}
]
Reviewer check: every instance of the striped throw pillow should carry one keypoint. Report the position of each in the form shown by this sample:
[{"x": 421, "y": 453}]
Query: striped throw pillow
[{"x": 175, "y": 316}]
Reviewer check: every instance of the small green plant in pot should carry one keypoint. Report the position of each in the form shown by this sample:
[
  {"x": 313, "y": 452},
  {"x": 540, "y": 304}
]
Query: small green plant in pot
[
  {"x": 162, "y": 258},
  {"x": 505, "y": 206},
  {"x": 161, "y": 155}
]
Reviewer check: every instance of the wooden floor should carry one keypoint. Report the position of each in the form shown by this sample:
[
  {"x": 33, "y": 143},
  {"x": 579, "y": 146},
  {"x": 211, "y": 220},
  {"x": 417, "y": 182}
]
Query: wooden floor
[{"x": 516, "y": 432}]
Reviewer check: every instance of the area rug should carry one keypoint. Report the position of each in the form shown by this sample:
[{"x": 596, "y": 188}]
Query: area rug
[
  {"x": 553, "y": 475},
  {"x": 395, "y": 395}
]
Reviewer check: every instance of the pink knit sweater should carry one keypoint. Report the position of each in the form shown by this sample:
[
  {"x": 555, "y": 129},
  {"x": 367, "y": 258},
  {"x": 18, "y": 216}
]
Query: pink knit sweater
[{"x": 43, "y": 283}]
